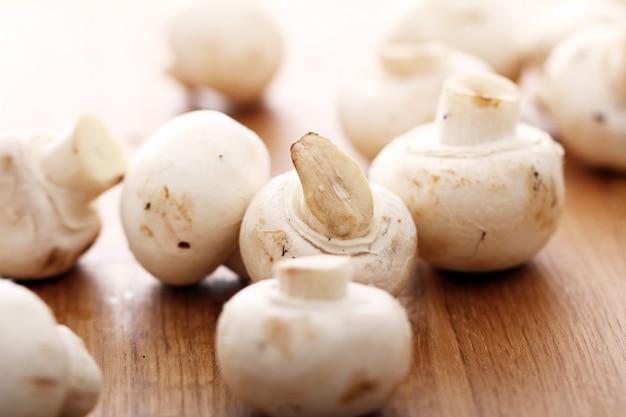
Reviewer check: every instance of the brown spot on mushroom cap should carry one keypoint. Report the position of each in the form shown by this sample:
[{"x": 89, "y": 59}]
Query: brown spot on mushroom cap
[
  {"x": 278, "y": 333},
  {"x": 43, "y": 382},
  {"x": 7, "y": 163},
  {"x": 184, "y": 245},
  {"x": 53, "y": 258},
  {"x": 145, "y": 230},
  {"x": 358, "y": 386}
]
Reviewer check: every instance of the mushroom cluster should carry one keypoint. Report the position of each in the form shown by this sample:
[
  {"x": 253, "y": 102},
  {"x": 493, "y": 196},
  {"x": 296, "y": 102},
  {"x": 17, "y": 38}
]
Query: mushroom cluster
[
  {"x": 312, "y": 343},
  {"x": 230, "y": 46},
  {"x": 186, "y": 192},
  {"x": 327, "y": 206},
  {"x": 46, "y": 369},
  {"x": 48, "y": 189},
  {"x": 485, "y": 191}
]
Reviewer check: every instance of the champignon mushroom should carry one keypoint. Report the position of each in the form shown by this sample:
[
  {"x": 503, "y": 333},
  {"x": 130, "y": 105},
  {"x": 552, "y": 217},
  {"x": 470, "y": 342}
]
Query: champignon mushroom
[
  {"x": 485, "y": 191},
  {"x": 233, "y": 47},
  {"x": 311, "y": 343},
  {"x": 48, "y": 188},
  {"x": 327, "y": 206},
  {"x": 46, "y": 370},
  {"x": 401, "y": 94},
  {"x": 584, "y": 91},
  {"x": 186, "y": 192},
  {"x": 484, "y": 28}
]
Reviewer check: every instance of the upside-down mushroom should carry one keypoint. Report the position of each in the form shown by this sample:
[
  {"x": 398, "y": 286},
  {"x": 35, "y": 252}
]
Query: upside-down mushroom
[
  {"x": 486, "y": 192},
  {"x": 311, "y": 343},
  {"x": 327, "y": 206}
]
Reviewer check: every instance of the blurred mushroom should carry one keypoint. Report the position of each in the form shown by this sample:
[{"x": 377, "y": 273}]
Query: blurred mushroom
[{"x": 402, "y": 93}]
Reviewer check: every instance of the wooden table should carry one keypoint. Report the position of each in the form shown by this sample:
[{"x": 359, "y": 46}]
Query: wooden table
[{"x": 546, "y": 339}]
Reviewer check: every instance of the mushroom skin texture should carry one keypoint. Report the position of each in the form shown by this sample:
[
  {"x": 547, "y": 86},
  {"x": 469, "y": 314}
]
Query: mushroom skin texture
[
  {"x": 310, "y": 343},
  {"x": 48, "y": 189},
  {"x": 400, "y": 94},
  {"x": 589, "y": 64},
  {"x": 483, "y": 28},
  {"x": 39, "y": 361},
  {"x": 186, "y": 192},
  {"x": 231, "y": 46},
  {"x": 485, "y": 191},
  {"x": 327, "y": 206}
]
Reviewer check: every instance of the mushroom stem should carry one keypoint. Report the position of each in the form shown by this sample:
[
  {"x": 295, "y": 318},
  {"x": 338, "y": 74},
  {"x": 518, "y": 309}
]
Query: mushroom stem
[
  {"x": 319, "y": 277},
  {"x": 477, "y": 108},
  {"x": 407, "y": 58},
  {"x": 616, "y": 63},
  {"x": 87, "y": 159},
  {"x": 338, "y": 200}
]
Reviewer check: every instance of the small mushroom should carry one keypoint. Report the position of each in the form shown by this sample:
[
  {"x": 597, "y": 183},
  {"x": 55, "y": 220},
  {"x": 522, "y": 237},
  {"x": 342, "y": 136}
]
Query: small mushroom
[
  {"x": 233, "y": 47},
  {"x": 327, "y": 206},
  {"x": 48, "y": 188},
  {"x": 484, "y": 29},
  {"x": 186, "y": 192},
  {"x": 485, "y": 191},
  {"x": 584, "y": 91},
  {"x": 46, "y": 370},
  {"x": 401, "y": 94},
  {"x": 312, "y": 343}
]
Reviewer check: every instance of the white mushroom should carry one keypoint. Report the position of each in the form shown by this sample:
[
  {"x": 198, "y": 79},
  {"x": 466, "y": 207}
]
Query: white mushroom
[
  {"x": 231, "y": 46},
  {"x": 48, "y": 187},
  {"x": 310, "y": 343},
  {"x": 483, "y": 28},
  {"x": 46, "y": 371},
  {"x": 556, "y": 20},
  {"x": 485, "y": 191},
  {"x": 400, "y": 94},
  {"x": 584, "y": 90},
  {"x": 327, "y": 206},
  {"x": 186, "y": 192}
]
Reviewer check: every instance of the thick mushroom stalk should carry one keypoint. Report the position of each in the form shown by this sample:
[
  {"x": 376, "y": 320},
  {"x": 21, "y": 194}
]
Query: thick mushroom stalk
[
  {"x": 475, "y": 110},
  {"x": 49, "y": 184},
  {"x": 312, "y": 324},
  {"x": 315, "y": 277},
  {"x": 485, "y": 191},
  {"x": 338, "y": 201},
  {"x": 327, "y": 206},
  {"x": 87, "y": 159}
]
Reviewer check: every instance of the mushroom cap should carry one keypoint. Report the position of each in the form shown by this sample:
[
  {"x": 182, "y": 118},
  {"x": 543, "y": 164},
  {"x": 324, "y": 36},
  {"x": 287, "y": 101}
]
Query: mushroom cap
[
  {"x": 391, "y": 99},
  {"x": 554, "y": 21},
  {"x": 34, "y": 363},
  {"x": 186, "y": 192},
  {"x": 44, "y": 227},
  {"x": 480, "y": 28},
  {"x": 272, "y": 230},
  {"x": 85, "y": 377},
  {"x": 287, "y": 356},
  {"x": 231, "y": 46},
  {"x": 480, "y": 207},
  {"x": 590, "y": 63}
]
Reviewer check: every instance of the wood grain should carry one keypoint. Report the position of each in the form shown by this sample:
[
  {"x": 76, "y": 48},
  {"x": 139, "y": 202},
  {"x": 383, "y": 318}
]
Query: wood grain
[{"x": 545, "y": 339}]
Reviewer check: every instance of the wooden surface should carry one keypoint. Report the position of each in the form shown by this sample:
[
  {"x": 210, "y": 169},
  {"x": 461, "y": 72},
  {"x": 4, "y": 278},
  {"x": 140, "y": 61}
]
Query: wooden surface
[{"x": 546, "y": 339}]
